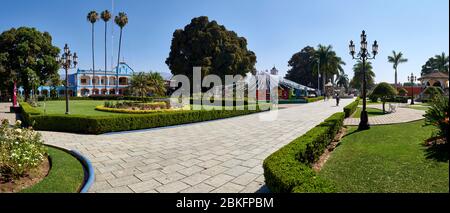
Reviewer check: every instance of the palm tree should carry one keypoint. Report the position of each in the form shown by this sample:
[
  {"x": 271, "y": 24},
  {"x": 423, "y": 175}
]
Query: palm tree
[
  {"x": 92, "y": 17},
  {"x": 106, "y": 16},
  {"x": 121, "y": 20},
  {"x": 330, "y": 63},
  {"x": 143, "y": 83},
  {"x": 396, "y": 59},
  {"x": 342, "y": 80},
  {"x": 156, "y": 83},
  {"x": 139, "y": 84},
  {"x": 441, "y": 62},
  {"x": 358, "y": 76}
]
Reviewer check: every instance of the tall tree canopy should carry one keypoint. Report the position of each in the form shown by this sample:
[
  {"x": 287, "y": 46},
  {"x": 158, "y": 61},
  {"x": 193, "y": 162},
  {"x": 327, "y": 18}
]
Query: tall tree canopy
[
  {"x": 206, "y": 44},
  {"x": 330, "y": 63},
  {"x": 438, "y": 62},
  {"x": 301, "y": 70},
  {"x": 27, "y": 54},
  {"x": 357, "y": 79}
]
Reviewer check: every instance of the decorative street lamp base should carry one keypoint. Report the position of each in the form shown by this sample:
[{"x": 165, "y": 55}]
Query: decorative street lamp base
[{"x": 364, "y": 123}]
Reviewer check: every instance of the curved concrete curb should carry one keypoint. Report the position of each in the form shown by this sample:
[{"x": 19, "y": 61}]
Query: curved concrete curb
[
  {"x": 89, "y": 176},
  {"x": 88, "y": 168}
]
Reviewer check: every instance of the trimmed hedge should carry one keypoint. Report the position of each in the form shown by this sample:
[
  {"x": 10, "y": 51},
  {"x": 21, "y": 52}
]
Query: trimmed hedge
[
  {"x": 288, "y": 169},
  {"x": 101, "y": 97},
  {"x": 351, "y": 108},
  {"x": 292, "y": 101},
  {"x": 129, "y": 111},
  {"x": 121, "y": 122},
  {"x": 310, "y": 100}
]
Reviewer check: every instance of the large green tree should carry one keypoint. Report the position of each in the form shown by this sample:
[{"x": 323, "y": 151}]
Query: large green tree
[
  {"x": 438, "y": 62},
  {"x": 143, "y": 83},
  {"x": 206, "y": 44},
  {"x": 384, "y": 91},
  {"x": 358, "y": 78},
  {"x": 330, "y": 63},
  {"x": 396, "y": 59},
  {"x": 301, "y": 70},
  {"x": 27, "y": 56}
]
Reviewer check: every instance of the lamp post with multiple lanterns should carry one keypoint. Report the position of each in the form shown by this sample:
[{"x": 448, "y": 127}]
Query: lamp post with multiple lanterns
[
  {"x": 67, "y": 61},
  {"x": 363, "y": 55},
  {"x": 412, "y": 79}
]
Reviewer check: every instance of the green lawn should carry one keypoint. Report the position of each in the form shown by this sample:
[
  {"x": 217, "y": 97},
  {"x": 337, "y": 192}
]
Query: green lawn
[
  {"x": 76, "y": 107},
  {"x": 66, "y": 175},
  {"x": 370, "y": 112},
  {"x": 388, "y": 158}
]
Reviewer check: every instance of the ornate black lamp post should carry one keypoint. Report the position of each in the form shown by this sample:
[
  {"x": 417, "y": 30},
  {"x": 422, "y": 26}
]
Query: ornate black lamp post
[
  {"x": 363, "y": 55},
  {"x": 67, "y": 61},
  {"x": 412, "y": 79}
]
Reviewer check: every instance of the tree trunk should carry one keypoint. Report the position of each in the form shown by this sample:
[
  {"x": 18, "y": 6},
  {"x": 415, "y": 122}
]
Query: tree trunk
[
  {"x": 396, "y": 78},
  {"x": 106, "y": 60},
  {"x": 118, "y": 62},
  {"x": 93, "y": 60},
  {"x": 384, "y": 111}
]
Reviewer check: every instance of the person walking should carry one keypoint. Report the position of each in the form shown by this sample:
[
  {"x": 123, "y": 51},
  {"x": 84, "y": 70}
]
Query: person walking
[{"x": 337, "y": 99}]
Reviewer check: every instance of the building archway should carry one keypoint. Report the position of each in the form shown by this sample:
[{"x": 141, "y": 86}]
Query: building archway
[
  {"x": 85, "y": 92},
  {"x": 112, "y": 80},
  {"x": 104, "y": 91},
  {"x": 85, "y": 80},
  {"x": 123, "y": 81},
  {"x": 112, "y": 91},
  {"x": 437, "y": 84},
  {"x": 95, "y": 92}
]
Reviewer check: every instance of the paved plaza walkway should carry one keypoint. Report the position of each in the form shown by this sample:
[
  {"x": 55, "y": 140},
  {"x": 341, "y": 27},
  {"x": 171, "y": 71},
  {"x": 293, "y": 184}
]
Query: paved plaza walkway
[
  {"x": 401, "y": 115},
  {"x": 216, "y": 156}
]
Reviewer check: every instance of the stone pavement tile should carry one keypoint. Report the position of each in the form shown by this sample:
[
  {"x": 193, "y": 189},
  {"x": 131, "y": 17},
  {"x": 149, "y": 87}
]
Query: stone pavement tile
[
  {"x": 199, "y": 188},
  {"x": 218, "y": 180},
  {"x": 257, "y": 170},
  {"x": 145, "y": 186},
  {"x": 150, "y": 175},
  {"x": 104, "y": 176},
  {"x": 171, "y": 177},
  {"x": 190, "y": 162},
  {"x": 149, "y": 167},
  {"x": 251, "y": 163},
  {"x": 191, "y": 170},
  {"x": 209, "y": 163},
  {"x": 245, "y": 179},
  {"x": 172, "y": 187},
  {"x": 122, "y": 181},
  {"x": 195, "y": 179},
  {"x": 100, "y": 185},
  {"x": 172, "y": 168},
  {"x": 122, "y": 189},
  {"x": 231, "y": 163},
  {"x": 228, "y": 188},
  {"x": 214, "y": 170},
  {"x": 236, "y": 171},
  {"x": 126, "y": 172},
  {"x": 252, "y": 187}
]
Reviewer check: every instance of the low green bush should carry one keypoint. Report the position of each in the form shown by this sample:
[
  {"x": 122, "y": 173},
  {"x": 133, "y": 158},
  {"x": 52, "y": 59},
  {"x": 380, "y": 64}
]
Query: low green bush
[
  {"x": 288, "y": 169},
  {"x": 124, "y": 122},
  {"x": 310, "y": 100},
  {"x": 351, "y": 108}
]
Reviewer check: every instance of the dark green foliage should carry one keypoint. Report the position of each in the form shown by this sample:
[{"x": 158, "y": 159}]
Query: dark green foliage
[
  {"x": 207, "y": 44},
  {"x": 357, "y": 79},
  {"x": 433, "y": 91},
  {"x": 437, "y": 115},
  {"x": 288, "y": 169},
  {"x": 402, "y": 92},
  {"x": 351, "y": 108},
  {"x": 438, "y": 62},
  {"x": 121, "y": 122},
  {"x": 310, "y": 100},
  {"x": 397, "y": 99},
  {"x": 384, "y": 91},
  {"x": 301, "y": 64},
  {"x": 28, "y": 57}
]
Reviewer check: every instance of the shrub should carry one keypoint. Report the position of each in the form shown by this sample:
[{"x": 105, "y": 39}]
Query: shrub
[
  {"x": 288, "y": 169},
  {"x": 310, "y": 100},
  {"x": 384, "y": 91},
  {"x": 351, "y": 108},
  {"x": 124, "y": 122},
  {"x": 402, "y": 92},
  {"x": 136, "y": 111},
  {"x": 21, "y": 150},
  {"x": 431, "y": 91},
  {"x": 437, "y": 115},
  {"x": 373, "y": 98}
]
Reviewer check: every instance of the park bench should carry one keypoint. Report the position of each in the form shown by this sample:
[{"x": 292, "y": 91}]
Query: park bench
[{"x": 392, "y": 108}]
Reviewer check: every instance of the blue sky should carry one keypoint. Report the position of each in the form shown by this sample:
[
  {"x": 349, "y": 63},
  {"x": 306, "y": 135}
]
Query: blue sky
[{"x": 275, "y": 29}]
